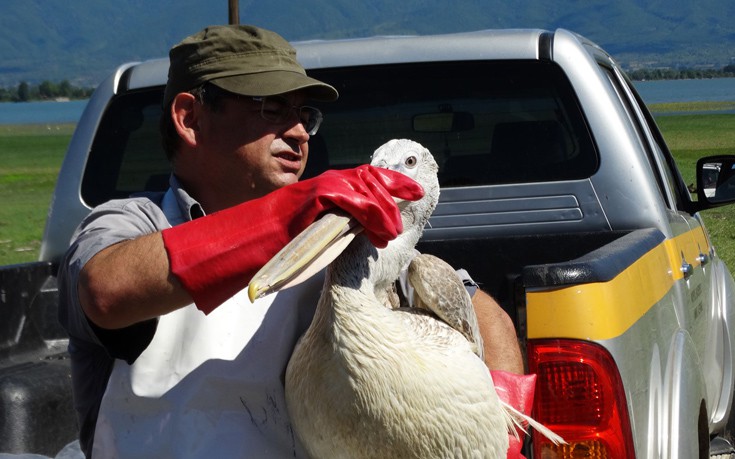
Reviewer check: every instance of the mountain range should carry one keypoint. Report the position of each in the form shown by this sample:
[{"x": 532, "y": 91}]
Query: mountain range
[{"x": 83, "y": 40}]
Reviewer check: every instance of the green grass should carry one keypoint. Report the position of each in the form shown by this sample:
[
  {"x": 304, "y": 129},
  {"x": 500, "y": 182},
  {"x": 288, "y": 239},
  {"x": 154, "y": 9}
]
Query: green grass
[
  {"x": 691, "y": 106},
  {"x": 30, "y": 158}
]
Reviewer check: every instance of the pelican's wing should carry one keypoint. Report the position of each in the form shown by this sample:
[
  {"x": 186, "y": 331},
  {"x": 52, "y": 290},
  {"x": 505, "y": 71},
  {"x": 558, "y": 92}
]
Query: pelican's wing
[{"x": 438, "y": 288}]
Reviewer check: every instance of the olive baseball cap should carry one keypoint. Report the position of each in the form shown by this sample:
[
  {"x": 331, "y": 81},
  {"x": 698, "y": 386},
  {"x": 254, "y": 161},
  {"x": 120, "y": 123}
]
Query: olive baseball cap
[{"x": 242, "y": 59}]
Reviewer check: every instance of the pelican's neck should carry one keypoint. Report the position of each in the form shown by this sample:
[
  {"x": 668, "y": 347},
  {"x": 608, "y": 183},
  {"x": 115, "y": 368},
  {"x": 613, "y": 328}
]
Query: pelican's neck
[
  {"x": 354, "y": 268},
  {"x": 353, "y": 309},
  {"x": 374, "y": 267},
  {"x": 365, "y": 272}
]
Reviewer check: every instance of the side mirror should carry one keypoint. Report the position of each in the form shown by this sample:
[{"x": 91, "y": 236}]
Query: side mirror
[{"x": 716, "y": 180}]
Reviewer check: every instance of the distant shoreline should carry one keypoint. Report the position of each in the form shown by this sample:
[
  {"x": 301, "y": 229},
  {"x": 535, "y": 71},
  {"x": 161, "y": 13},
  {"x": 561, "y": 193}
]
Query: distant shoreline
[
  {"x": 64, "y": 128},
  {"x": 707, "y": 106},
  {"x": 703, "y": 107}
]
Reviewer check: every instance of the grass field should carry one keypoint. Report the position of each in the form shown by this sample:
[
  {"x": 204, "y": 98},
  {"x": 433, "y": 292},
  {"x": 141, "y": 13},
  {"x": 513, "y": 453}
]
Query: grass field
[{"x": 30, "y": 158}]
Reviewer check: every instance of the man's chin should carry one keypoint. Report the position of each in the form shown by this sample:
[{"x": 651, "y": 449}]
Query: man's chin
[{"x": 286, "y": 178}]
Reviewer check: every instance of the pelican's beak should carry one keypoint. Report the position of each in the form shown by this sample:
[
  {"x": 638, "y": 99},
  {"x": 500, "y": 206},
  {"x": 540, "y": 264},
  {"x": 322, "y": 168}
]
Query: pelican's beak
[{"x": 307, "y": 254}]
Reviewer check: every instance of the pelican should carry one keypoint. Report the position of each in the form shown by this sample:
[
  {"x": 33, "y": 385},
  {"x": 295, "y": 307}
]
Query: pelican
[{"x": 368, "y": 379}]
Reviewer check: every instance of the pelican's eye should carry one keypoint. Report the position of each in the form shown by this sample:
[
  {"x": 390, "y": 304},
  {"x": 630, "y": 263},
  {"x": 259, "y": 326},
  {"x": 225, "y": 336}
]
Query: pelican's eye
[{"x": 411, "y": 161}]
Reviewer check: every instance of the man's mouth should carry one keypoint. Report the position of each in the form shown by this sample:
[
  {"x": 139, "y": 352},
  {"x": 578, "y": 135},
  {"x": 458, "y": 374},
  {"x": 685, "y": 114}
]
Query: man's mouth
[{"x": 289, "y": 159}]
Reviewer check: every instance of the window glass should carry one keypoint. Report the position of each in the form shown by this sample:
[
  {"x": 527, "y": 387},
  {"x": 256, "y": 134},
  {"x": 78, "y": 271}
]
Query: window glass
[
  {"x": 485, "y": 122},
  {"x": 127, "y": 156}
]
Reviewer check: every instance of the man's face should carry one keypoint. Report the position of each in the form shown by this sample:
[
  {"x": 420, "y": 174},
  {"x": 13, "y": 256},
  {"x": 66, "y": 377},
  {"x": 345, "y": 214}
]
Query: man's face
[{"x": 246, "y": 156}]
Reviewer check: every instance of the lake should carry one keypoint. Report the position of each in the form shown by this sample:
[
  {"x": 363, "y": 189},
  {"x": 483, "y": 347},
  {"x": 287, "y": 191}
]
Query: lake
[
  {"x": 715, "y": 89},
  {"x": 41, "y": 112},
  {"x": 653, "y": 92}
]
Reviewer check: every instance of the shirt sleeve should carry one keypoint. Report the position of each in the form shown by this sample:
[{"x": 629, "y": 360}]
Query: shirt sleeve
[{"x": 105, "y": 226}]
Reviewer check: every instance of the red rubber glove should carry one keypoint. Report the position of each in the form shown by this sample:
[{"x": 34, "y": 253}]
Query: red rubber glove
[
  {"x": 215, "y": 256},
  {"x": 517, "y": 391}
]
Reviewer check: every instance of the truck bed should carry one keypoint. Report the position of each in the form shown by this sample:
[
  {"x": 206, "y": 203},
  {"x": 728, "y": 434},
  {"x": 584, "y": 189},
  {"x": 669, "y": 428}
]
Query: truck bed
[{"x": 36, "y": 409}]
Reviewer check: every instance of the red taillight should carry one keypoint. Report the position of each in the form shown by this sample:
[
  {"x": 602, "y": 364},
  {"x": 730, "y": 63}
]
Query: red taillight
[{"x": 579, "y": 395}]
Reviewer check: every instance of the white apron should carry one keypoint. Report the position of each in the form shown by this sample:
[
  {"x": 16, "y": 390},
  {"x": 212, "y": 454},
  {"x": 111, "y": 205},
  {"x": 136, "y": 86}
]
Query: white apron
[{"x": 208, "y": 386}]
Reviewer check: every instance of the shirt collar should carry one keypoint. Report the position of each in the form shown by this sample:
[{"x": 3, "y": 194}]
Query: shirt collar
[{"x": 188, "y": 206}]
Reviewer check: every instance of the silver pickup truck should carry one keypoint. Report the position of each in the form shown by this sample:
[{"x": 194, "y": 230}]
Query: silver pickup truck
[{"x": 559, "y": 196}]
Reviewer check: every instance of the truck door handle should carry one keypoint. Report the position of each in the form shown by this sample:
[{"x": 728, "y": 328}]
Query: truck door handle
[{"x": 687, "y": 269}]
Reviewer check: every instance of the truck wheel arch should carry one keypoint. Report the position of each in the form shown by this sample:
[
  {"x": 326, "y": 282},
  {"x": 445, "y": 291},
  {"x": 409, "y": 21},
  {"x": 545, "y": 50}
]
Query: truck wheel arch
[{"x": 683, "y": 401}]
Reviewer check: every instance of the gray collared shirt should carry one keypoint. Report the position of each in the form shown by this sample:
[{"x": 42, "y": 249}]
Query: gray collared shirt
[{"x": 93, "y": 350}]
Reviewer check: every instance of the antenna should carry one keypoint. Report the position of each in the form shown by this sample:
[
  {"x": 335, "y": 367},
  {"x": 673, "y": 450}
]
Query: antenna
[{"x": 234, "y": 12}]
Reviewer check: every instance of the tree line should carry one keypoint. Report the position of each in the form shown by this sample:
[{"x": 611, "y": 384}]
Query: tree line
[
  {"x": 681, "y": 74},
  {"x": 46, "y": 90}
]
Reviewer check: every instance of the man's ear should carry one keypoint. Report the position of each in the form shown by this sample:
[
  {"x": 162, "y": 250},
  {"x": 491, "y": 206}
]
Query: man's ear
[{"x": 185, "y": 115}]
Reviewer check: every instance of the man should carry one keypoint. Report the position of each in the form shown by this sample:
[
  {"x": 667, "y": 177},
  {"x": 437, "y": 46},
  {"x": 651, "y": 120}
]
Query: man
[{"x": 169, "y": 359}]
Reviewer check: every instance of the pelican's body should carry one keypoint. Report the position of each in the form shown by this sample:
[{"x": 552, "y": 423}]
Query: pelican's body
[
  {"x": 367, "y": 381},
  {"x": 370, "y": 380}
]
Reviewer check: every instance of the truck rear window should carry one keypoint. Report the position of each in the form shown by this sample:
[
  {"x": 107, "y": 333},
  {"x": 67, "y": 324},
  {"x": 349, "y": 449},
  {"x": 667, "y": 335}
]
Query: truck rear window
[
  {"x": 127, "y": 156},
  {"x": 486, "y": 122}
]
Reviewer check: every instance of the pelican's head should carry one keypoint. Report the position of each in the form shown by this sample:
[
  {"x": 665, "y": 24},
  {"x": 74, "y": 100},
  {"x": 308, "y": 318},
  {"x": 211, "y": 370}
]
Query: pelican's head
[
  {"x": 321, "y": 242},
  {"x": 414, "y": 160}
]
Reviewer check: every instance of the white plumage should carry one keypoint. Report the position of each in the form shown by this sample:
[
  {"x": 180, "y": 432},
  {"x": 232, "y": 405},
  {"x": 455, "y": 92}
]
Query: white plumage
[{"x": 370, "y": 381}]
